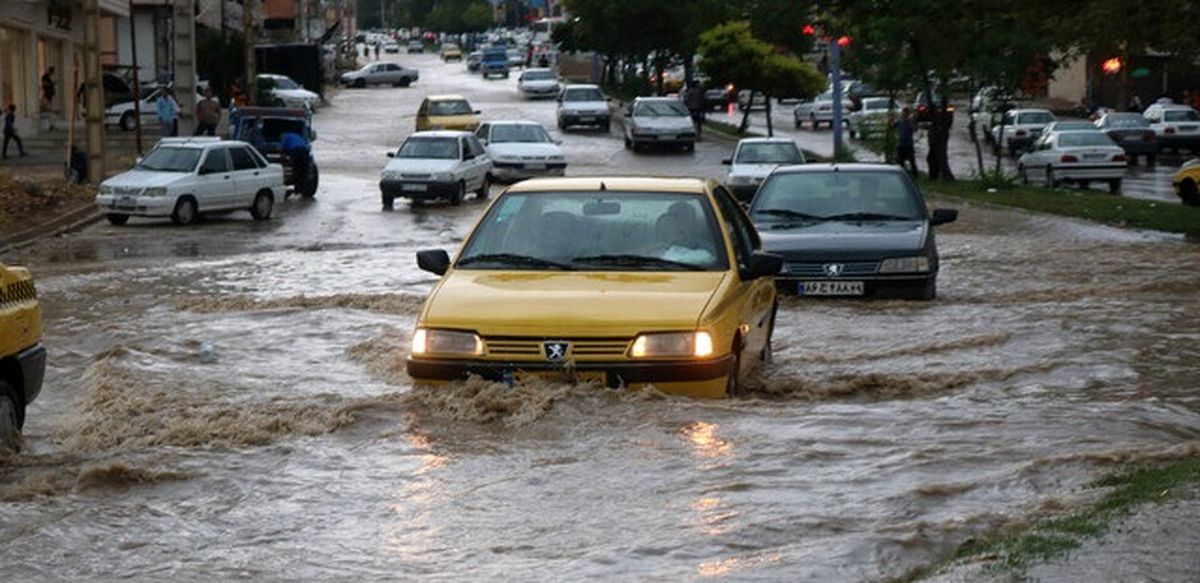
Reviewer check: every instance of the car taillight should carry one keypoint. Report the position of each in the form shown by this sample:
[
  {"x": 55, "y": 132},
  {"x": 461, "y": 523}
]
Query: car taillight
[
  {"x": 1068, "y": 158},
  {"x": 1169, "y": 131},
  {"x": 949, "y": 109},
  {"x": 1020, "y": 133},
  {"x": 1148, "y": 136},
  {"x": 921, "y": 108},
  {"x": 1119, "y": 158}
]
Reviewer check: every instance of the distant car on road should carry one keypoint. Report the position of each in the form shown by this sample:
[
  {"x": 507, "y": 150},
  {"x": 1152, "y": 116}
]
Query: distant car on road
[
  {"x": 753, "y": 160},
  {"x": 1074, "y": 156},
  {"x": 392, "y": 74},
  {"x": 871, "y": 117},
  {"x": 1187, "y": 182},
  {"x": 473, "y": 60},
  {"x": 1133, "y": 133},
  {"x": 1177, "y": 126},
  {"x": 538, "y": 83},
  {"x": 303, "y": 176},
  {"x": 516, "y": 58},
  {"x": 819, "y": 111},
  {"x": 391, "y": 47},
  {"x": 122, "y": 114},
  {"x": 1021, "y": 128},
  {"x": 282, "y": 91},
  {"x": 447, "y": 112},
  {"x": 415, "y": 47},
  {"x": 495, "y": 62},
  {"x": 521, "y": 149},
  {"x": 436, "y": 165},
  {"x": 658, "y": 121},
  {"x": 583, "y": 105},
  {"x": 849, "y": 230},
  {"x": 183, "y": 178},
  {"x": 22, "y": 356},
  {"x": 451, "y": 52}
]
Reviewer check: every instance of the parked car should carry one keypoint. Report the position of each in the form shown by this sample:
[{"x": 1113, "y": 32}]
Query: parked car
[
  {"x": 391, "y": 47},
  {"x": 1176, "y": 126},
  {"x": 436, "y": 165},
  {"x": 1186, "y": 182},
  {"x": 183, "y": 178},
  {"x": 744, "y": 103},
  {"x": 1133, "y": 133},
  {"x": 122, "y": 114},
  {"x": 753, "y": 159},
  {"x": 451, "y": 52},
  {"x": 659, "y": 121},
  {"x": 392, "y": 74},
  {"x": 583, "y": 105},
  {"x": 447, "y": 112},
  {"x": 495, "y": 62},
  {"x": 720, "y": 97},
  {"x": 1070, "y": 125},
  {"x": 302, "y": 176},
  {"x": 521, "y": 149},
  {"x": 1074, "y": 156},
  {"x": 282, "y": 91},
  {"x": 22, "y": 356},
  {"x": 473, "y": 60},
  {"x": 415, "y": 46},
  {"x": 536, "y": 83},
  {"x": 1021, "y": 128},
  {"x": 850, "y": 230},
  {"x": 923, "y": 107},
  {"x": 621, "y": 282},
  {"x": 819, "y": 110},
  {"x": 872, "y": 116},
  {"x": 987, "y": 107},
  {"x": 516, "y": 58}
]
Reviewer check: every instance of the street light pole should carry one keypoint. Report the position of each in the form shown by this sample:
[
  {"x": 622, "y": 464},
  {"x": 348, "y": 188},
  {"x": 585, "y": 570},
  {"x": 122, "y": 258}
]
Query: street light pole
[{"x": 835, "y": 65}]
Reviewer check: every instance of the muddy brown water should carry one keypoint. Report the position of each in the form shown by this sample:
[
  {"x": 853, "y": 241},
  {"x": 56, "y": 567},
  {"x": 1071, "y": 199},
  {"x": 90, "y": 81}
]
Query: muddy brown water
[{"x": 883, "y": 435}]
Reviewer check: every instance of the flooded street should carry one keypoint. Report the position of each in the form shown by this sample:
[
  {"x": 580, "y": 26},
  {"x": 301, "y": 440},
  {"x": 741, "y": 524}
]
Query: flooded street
[{"x": 883, "y": 435}]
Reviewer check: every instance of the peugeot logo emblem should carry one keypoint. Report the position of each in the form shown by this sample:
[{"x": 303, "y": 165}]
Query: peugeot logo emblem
[
  {"x": 833, "y": 269},
  {"x": 555, "y": 350}
]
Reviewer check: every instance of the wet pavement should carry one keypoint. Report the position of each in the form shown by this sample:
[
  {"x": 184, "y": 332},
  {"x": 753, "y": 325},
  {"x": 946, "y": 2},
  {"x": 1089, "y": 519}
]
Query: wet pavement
[{"x": 884, "y": 433}]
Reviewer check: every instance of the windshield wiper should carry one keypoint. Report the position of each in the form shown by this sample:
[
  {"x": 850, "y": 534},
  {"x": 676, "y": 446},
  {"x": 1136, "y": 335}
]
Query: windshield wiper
[
  {"x": 512, "y": 259},
  {"x": 630, "y": 260},
  {"x": 866, "y": 217},
  {"x": 789, "y": 214}
]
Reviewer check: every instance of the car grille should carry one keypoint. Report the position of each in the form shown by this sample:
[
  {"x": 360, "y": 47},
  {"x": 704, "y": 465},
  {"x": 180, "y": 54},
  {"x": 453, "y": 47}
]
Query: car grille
[
  {"x": 126, "y": 190},
  {"x": 416, "y": 176},
  {"x": 582, "y": 348},
  {"x": 817, "y": 269},
  {"x": 16, "y": 294}
]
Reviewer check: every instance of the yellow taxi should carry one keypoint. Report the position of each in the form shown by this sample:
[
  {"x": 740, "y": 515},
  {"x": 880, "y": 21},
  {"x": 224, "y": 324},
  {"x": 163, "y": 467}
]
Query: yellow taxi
[
  {"x": 447, "y": 112},
  {"x": 451, "y": 53},
  {"x": 22, "y": 356},
  {"x": 1187, "y": 181},
  {"x": 621, "y": 282}
]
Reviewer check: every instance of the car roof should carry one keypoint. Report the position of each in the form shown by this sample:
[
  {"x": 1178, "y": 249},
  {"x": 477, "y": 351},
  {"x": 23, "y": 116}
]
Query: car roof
[
  {"x": 1029, "y": 110},
  {"x": 440, "y": 134},
  {"x": 581, "y": 86},
  {"x": 612, "y": 183},
  {"x": 836, "y": 167},
  {"x": 1174, "y": 106},
  {"x": 766, "y": 141},
  {"x": 447, "y": 97},
  {"x": 538, "y": 70},
  {"x": 516, "y": 122},
  {"x": 656, "y": 99},
  {"x": 192, "y": 142}
]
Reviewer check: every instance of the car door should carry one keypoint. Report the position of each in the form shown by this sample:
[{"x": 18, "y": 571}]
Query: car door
[
  {"x": 248, "y": 178},
  {"x": 215, "y": 188},
  {"x": 470, "y": 163},
  {"x": 391, "y": 73},
  {"x": 757, "y": 296}
]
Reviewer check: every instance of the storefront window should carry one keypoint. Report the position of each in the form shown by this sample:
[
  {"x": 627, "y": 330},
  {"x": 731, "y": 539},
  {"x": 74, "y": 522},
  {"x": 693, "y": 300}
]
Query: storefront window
[{"x": 13, "y": 74}]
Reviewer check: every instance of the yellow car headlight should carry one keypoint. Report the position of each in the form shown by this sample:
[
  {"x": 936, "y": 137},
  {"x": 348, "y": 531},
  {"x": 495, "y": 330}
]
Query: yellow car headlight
[
  {"x": 672, "y": 344},
  {"x": 905, "y": 265},
  {"x": 427, "y": 341}
]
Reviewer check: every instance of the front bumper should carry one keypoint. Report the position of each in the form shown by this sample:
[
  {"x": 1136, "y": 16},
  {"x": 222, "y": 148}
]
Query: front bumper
[
  {"x": 666, "y": 139},
  {"x": 32, "y": 362},
  {"x": 585, "y": 119},
  {"x": 417, "y": 189},
  {"x": 539, "y": 93},
  {"x": 616, "y": 374},
  {"x": 878, "y": 286},
  {"x": 142, "y": 206},
  {"x": 515, "y": 170}
]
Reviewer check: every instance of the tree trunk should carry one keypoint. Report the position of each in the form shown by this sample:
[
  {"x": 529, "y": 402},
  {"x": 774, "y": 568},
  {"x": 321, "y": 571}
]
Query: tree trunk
[
  {"x": 659, "y": 69},
  {"x": 746, "y": 115},
  {"x": 939, "y": 131},
  {"x": 770, "y": 126}
]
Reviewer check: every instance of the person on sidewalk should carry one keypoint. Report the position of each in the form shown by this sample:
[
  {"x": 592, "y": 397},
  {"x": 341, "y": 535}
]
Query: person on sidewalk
[
  {"x": 48, "y": 93},
  {"x": 693, "y": 99},
  {"x": 10, "y": 130},
  {"x": 906, "y": 142},
  {"x": 208, "y": 115},
  {"x": 168, "y": 113}
]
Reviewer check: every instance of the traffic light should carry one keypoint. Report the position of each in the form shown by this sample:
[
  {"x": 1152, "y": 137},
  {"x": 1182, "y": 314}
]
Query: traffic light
[
  {"x": 1112, "y": 66},
  {"x": 809, "y": 30},
  {"x": 843, "y": 41}
]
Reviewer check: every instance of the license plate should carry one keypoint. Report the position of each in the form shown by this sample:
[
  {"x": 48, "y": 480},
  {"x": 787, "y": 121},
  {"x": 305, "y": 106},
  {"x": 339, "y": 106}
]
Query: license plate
[
  {"x": 562, "y": 376},
  {"x": 414, "y": 187},
  {"x": 1093, "y": 156},
  {"x": 587, "y": 119},
  {"x": 831, "y": 288},
  {"x": 666, "y": 138},
  {"x": 126, "y": 202},
  {"x": 535, "y": 166},
  {"x": 1187, "y": 128}
]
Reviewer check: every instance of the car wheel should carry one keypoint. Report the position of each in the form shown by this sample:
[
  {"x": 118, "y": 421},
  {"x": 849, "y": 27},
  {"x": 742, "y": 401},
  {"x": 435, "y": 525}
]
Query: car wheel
[
  {"x": 127, "y": 121},
  {"x": 405, "y": 82},
  {"x": 689, "y": 147},
  {"x": 117, "y": 219},
  {"x": 1189, "y": 192},
  {"x": 605, "y": 127},
  {"x": 733, "y": 381},
  {"x": 264, "y": 202},
  {"x": 12, "y": 416},
  {"x": 561, "y": 125},
  {"x": 1151, "y": 160},
  {"x": 308, "y": 188},
  {"x": 185, "y": 211},
  {"x": 928, "y": 292},
  {"x": 1050, "y": 181},
  {"x": 457, "y": 198},
  {"x": 797, "y": 120},
  {"x": 1114, "y": 186},
  {"x": 485, "y": 188},
  {"x": 389, "y": 202},
  {"x": 628, "y": 144},
  {"x": 1023, "y": 174},
  {"x": 360, "y": 83},
  {"x": 768, "y": 351},
  {"x": 815, "y": 124}
]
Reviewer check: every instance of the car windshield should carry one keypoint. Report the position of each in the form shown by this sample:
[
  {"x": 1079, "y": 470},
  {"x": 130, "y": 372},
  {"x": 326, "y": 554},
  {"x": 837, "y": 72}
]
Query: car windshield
[
  {"x": 539, "y": 76},
  {"x": 826, "y": 96},
  {"x": 1035, "y": 117},
  {"x": 597, "y": 231},
  {"x": 1078, "y": 139},
  {"x": 437, "y": 148},
  {"x": 583, "y": 95},
  {"x": 1063, "y": 126},
  {"x": 523, "y": 132},
  {"x": 1126, "y": 121},
  {"x": 660, "y": 109},
  {"x": 456, "y": 107},
  {"x": 1181, "y": 115},
  {"x": 769, "y": 153},
  {"x": 285, "y": 83},
  {"x": 840, "y": 195},
  {"x": 169, "y": 159},
  {"x": 875, "y": 104}
]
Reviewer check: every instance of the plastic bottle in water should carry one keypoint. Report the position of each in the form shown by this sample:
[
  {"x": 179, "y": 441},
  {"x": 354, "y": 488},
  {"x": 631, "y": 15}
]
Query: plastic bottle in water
[{"x": 208, "y": 353}]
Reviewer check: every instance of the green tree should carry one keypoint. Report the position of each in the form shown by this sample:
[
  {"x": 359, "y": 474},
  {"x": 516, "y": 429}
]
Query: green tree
[{"x": 477, "y": 17}]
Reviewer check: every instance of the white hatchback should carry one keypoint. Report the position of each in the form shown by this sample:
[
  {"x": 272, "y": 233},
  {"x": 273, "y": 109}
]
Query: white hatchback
[{"x": 182, "y": 178}]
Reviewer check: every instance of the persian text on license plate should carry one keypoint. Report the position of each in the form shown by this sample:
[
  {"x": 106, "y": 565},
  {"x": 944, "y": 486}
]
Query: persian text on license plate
[
  {"x": 413, "y": 187},
  {"x": 831, "y": 288},
  {"x": 562, "y": 376}
]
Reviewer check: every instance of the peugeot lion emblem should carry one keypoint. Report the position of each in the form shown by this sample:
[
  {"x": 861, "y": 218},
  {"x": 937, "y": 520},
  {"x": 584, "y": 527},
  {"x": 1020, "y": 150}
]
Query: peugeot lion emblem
[
  {"x": 833, "y": 269},
  {"x": 555, "y": 350}
]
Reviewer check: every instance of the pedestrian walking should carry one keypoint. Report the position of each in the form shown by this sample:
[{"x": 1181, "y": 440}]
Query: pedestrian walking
[
  {"x": 208, "y": 115},
  {"x": 237, "y": 97},
  {"x": 906, "y": 143},
  {"x": 10, "y": 130},
  {"x": 376, "y": 51},
  {"x": 693, "y": 99},
  {"x": 48, "y": 93},
  {"x": 168, "y": 113}
]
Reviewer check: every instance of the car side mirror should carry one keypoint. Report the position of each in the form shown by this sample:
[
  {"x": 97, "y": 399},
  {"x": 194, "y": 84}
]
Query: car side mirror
[
  {"x": 435, "y": 261},
  {"x": 391, "y": 154},
  {"x": 943, "y": 216},
  {"x": 761, "y": 265},
  {"x": 727, "y": 161}
]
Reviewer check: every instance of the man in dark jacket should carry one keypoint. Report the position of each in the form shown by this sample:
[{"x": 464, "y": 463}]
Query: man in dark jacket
[
  {"x": 693, "y": 98},
  {"x": 906, "y": 154},
  {"x": 10, "y": 130}
]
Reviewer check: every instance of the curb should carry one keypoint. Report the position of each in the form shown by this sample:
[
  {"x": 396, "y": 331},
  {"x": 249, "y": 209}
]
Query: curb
[{"x": 78, "y": 218}]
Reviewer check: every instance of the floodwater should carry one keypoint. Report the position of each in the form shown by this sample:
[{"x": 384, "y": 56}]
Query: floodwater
[{"x": 884, "y": 434}]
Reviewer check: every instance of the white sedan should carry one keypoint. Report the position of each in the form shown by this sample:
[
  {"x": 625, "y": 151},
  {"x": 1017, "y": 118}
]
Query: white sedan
[
  {"x": 521, "y": 149},
  {"x": 122, "y": 114},
  {"x": 1074, "y": 156},
  {"x": 437, "y": 164},
  {"x": 819, "y": 110},
  {"x": 754, "y": 159},
  {"x": 535, "y": 83}
]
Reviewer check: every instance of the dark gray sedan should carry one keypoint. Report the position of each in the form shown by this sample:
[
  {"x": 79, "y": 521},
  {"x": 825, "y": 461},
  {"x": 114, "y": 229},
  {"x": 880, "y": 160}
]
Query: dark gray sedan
[{"x": 849, "y": 230}]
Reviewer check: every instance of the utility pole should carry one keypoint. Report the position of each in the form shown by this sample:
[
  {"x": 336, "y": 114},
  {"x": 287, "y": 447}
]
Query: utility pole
[
  {"x": 250, "y": 39},
  {"x": 185, "y": 64},
  {"x": 137, "y": 81},
  {"x": 835, "y": 65},
  {"x": 91, "y": 84}
]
